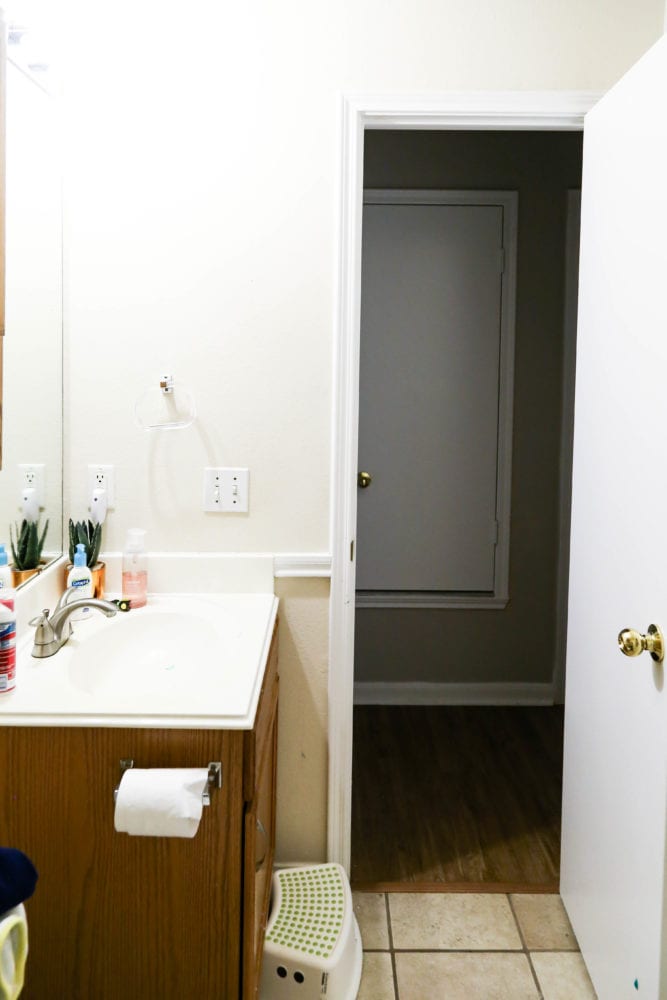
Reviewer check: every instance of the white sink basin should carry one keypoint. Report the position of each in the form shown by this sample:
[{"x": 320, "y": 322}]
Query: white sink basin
[
  {"x": 183, "y": 661},
  {"x": 147, "y": 650}
]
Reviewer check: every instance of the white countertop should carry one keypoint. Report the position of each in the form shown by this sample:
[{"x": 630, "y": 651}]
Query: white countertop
[{"x": 185, "y": 661}]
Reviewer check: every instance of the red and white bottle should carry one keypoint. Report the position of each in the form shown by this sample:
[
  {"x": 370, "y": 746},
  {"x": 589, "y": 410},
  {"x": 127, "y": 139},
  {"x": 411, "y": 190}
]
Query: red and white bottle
[{"x": 7, "y": 626}]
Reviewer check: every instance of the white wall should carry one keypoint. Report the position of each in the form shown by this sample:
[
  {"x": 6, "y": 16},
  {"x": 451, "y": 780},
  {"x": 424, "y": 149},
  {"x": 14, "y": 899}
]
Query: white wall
[
  {"x": 201, "y": 210},
  {"x": 201, "y": 218}
]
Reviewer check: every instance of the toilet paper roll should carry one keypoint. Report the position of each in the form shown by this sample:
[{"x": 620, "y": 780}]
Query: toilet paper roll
[{"x": 160, "y": 802}]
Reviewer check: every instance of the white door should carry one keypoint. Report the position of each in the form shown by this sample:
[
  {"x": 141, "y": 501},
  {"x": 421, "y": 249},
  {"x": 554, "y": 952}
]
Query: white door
[
  {"x": 615, "y": 775},
  {"x": 429, "y": 400}
]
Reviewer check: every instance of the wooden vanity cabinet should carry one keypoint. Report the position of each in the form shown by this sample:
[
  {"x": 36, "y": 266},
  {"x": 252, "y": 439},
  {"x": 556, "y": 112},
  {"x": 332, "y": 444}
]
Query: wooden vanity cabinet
[
  {"x": 116, "y": 917},
  {"x": 260, "y": 833}
]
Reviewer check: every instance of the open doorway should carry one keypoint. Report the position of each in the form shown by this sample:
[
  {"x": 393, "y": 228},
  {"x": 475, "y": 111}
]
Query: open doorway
[{"x": 463, "y": 660}]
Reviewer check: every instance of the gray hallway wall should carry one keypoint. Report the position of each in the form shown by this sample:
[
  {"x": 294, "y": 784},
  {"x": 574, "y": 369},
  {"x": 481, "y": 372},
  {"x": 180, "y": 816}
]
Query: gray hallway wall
[{"x": 516, "y": 644}]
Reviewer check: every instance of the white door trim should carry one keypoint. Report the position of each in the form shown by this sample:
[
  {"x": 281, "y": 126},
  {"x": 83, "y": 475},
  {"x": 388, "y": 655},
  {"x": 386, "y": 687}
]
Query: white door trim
[
  {"x": 566, "y": 435},
  {"x": 507, "y": 111}
]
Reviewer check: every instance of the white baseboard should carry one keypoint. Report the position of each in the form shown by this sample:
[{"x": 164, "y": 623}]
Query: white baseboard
[{"x": 422, "y": 693}]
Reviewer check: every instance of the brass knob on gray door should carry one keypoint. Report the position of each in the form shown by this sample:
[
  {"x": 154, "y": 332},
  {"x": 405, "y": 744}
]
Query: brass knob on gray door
[
  {"x": 632, "y": 643},
  {"x": 364, "y": 479}
]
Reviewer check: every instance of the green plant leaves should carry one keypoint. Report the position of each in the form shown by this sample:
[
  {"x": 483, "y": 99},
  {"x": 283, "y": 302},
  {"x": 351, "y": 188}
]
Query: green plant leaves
[
  {"x": 88, "y": 534},
  {"x": 27, "y": 544}
]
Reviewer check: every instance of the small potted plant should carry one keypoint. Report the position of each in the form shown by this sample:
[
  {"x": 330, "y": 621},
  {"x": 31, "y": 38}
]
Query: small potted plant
[
  {"x": 91, "y": 536},
  {"x": 27, "y": 544}
]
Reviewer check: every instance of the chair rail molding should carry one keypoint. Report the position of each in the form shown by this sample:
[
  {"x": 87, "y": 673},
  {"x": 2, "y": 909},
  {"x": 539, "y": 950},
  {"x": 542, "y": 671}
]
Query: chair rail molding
[
  {"x": 302, "y": 564},
  {"x": 478, "y": 110}
]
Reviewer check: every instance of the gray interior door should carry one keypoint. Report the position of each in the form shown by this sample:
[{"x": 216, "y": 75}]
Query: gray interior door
[{"x": 429, "y": 391}]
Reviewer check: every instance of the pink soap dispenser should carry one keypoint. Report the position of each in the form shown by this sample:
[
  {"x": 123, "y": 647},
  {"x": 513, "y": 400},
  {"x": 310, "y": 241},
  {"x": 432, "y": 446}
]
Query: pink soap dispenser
[{"x": 135, "y": 568}]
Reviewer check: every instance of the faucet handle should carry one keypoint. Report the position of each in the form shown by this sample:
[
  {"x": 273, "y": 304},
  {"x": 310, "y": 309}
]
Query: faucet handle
[
  {"x": 41, "y": 618},
  {"x": 44, "y": 630}
]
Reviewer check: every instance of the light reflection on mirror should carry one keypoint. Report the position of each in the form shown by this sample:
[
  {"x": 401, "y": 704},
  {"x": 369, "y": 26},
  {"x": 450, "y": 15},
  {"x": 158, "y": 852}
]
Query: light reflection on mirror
[{"x": 32, "y": 378}]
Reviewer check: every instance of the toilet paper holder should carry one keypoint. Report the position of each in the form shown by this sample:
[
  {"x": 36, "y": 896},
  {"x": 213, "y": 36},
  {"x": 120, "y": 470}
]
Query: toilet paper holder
[{"x": 214, "y": 778}]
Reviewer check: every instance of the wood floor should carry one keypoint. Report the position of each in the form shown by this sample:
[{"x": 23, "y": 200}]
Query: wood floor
[{"x": 456, "y": 796}]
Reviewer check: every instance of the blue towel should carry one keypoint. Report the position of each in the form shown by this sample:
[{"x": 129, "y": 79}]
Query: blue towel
[{"x": 18, "y": 878}]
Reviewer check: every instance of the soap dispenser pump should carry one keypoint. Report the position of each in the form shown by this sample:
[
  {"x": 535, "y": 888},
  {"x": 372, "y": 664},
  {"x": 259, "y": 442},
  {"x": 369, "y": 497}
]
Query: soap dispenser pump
[
  {"x": 80, "y": 579},
  {"x": 135, "y": 568}
]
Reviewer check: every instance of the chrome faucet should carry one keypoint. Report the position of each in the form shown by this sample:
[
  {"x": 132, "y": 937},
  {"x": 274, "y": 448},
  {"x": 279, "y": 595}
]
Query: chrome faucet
[{"x": 52, "y": 633}]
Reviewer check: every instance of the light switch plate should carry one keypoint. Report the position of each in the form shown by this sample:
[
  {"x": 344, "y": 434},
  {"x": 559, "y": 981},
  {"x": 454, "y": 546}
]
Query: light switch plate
[{"x": 226, "y": 490}]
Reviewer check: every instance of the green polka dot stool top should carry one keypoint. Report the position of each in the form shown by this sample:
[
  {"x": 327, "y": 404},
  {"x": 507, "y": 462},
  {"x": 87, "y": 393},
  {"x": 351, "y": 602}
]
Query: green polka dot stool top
[{"x": 312, "y": 947}]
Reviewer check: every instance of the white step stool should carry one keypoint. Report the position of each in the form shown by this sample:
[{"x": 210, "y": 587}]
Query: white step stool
[
  {"x": 13, "y": 951},
  {"x": 312, "y": 947}
]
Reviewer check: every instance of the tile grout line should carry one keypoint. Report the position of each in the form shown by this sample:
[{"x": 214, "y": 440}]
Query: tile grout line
[
  {"x": 391, "y": 945},
  {"x": 471, "y": 951},
  {"x": 525, "y": 947},
  {"x": 477, "y": 951}
]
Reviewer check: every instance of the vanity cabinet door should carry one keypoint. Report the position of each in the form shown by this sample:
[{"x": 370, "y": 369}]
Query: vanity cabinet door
[
  {"x": 255, "y": 739},
  {"x": 116, "y": 917},
  {"x": 258, "y": 858},
  {"x": 259, "y": 838}
]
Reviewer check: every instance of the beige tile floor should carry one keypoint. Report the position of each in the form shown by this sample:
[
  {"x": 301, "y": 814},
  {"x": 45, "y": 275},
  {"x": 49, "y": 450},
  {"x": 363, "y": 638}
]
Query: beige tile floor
[{"x": 468, "y": 946}]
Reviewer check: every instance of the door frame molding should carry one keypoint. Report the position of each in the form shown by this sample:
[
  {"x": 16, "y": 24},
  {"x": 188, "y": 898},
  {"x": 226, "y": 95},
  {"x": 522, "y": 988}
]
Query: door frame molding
[
  {"x": 493, "y": 111},
  {"x": 572, "y": 228}
]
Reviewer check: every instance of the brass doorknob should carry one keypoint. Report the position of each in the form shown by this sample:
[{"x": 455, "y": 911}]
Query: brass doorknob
[
  {"x": 364, "y": 479},
  {"x": 632, "y": 643}
]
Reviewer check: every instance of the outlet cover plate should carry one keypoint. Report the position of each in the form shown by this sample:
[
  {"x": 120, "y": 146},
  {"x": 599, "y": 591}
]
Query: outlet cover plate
[
  {"x": 33, "y": 477},
  {"x": 101, "y": 477}
]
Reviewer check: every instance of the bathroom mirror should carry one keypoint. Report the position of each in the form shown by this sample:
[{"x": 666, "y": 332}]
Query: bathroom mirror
[{"x": 32, "y": 439}]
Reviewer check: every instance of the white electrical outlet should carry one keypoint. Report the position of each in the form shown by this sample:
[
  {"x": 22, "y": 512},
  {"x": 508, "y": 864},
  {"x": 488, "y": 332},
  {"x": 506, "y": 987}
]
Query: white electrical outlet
[
  {"x": 101, "y": 477},
  {"x": 226, "y": 490},
  {"x": 33, "y": 478}
]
